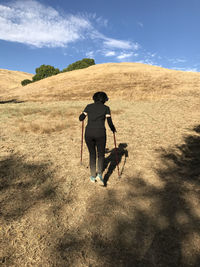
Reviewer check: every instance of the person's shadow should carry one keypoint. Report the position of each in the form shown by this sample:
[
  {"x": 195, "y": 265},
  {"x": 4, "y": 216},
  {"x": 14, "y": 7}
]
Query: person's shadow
[{"x": 114, "y": 157}]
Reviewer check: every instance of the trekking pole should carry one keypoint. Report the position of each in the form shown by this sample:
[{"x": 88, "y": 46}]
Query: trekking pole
[
  {"x": 116, "y": 155},
  {"x": 82, "y": 141}
]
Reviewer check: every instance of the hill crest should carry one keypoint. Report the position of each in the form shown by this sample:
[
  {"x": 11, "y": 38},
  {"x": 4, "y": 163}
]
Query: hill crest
[{"x": 125, "y": 80}]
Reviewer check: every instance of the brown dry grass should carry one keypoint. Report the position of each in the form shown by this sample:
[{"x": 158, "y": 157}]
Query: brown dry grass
[
  {"x": 133, "y": 81},
  {"x": 12, "y": 79},
  {"x": 50, "y": 214}
]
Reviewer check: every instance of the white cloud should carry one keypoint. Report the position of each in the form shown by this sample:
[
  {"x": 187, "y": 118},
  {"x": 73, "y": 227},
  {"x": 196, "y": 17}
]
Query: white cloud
[
  {"x": 150, "y": 54},
  {"x": 146, "y": 61},
  {"x": 109, "y": 54},
  {"x": 191, "y": 69},
  {"x": 153, "y": 55},
  {"x": 187, "y": 69},
  {"x": 140, "y": 24},
  {"x": 113, "y": 43},
  {"x": 102, "y": 22},
  {"x": 90, "y": 54},
  {"x": 177, "y": 60},
  {"x": 32, "y": 23},
  {"x": 125, "y": 55},
  {"x": 99, "y": 20}
]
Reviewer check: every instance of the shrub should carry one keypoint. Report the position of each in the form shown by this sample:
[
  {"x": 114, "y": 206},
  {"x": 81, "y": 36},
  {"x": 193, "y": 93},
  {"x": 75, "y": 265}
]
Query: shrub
[
  {"x": 44, "y": 71},
  {"x": 80, "y": 64},
  {"x": 89, "y": 61},
  {"x": 25, "y": 82}
]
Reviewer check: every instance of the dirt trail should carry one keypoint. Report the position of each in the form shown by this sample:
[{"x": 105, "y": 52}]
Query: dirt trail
[{"x": 51, "y": 215}]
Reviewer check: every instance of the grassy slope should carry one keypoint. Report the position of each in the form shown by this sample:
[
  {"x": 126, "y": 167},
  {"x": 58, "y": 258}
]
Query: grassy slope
[
  {"x": 127, "y": 80},
  {"x": 12, "y": 79},
  {"x": 51, "y": 215}
]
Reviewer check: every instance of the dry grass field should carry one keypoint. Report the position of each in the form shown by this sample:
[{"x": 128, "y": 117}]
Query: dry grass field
[
  {"x": 12, "y": 79},
  {"x": 52, "y": 215}
]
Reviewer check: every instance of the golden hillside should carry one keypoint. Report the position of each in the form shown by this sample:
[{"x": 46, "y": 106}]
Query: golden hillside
[
  {"x": 128, "y": 80},
  {"x": 50, "y": 212},
  {"x": 12, "y": 79}
]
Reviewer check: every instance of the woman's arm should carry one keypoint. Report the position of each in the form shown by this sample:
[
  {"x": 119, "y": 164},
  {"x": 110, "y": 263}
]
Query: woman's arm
[{"x": 110, "y": 123}]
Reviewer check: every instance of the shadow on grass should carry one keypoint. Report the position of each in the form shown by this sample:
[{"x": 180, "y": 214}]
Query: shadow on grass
[
  {"x": 15, "y": 101},
  {"x": 140, "y": 224},
  {"x": 110, "y": 162},
  {"x": 22, "y": 184}
]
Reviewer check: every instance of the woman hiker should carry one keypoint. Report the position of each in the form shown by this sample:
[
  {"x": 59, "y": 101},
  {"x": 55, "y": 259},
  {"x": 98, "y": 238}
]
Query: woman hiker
[{"x": 95, "y": 133}]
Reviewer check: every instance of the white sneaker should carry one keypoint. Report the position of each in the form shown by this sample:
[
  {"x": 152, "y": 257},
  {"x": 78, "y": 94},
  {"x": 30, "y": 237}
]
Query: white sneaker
[
  {"x": 92, "y": 179},
  {"x": 99, "y": 179}
]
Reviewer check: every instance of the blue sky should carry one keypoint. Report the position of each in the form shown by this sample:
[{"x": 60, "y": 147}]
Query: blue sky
[{"x": 58, "y": 33}]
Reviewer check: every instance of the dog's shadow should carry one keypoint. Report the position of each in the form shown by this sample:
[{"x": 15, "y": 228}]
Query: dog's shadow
[{"x": 115, "y": 157}]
